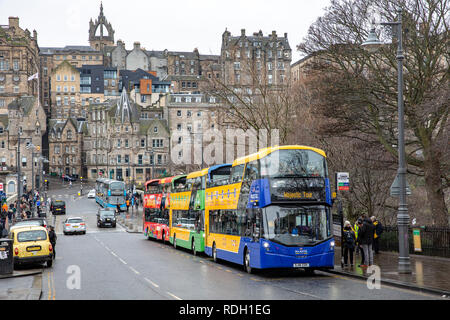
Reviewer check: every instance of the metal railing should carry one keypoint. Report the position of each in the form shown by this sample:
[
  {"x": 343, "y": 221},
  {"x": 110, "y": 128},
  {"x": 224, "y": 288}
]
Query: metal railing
[{"x": 435, "y": 241}]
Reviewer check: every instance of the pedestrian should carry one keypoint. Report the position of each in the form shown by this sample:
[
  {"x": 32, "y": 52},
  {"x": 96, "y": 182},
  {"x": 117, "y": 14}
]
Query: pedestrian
[
  {"x": 52, "y": 237},
  {"x": 378, "y": 231},
  {"x": 365, "y": 236},
  {"x": 118, "y": 209},
  {"x": 359, "y": 249},
  {"x": 349, "y": 243},
  {"x": 128, "y": 204},
  {"x": 10, "y": 215}
]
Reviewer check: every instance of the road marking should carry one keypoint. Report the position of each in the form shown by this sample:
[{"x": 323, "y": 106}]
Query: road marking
[
  {"x": 134, "y": 270},
  {"x": 151, "y": 282},
  {"x": 174, "y": 296},
  {"x": 123, "y": 261},
  {"x": 115, "y": 255}
]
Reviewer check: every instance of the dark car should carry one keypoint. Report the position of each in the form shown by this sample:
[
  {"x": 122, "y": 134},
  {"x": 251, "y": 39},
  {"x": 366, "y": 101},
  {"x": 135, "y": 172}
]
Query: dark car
[
  {"x": 58, "y": 207},
  {"x": 106, "y": 217},
  {"x": 42, "y": 222}
]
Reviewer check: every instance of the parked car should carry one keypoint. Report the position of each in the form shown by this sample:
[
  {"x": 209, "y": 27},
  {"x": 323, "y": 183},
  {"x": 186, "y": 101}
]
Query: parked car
[
  {"x": 74, "y": 225},
  {"x": 106, "y": 217},
  {"x": 31, "y": 245},
  {"x": 91, "y": 194},
  {"x": 58, "y": 207},
  {"x": 40, "y": 222}
]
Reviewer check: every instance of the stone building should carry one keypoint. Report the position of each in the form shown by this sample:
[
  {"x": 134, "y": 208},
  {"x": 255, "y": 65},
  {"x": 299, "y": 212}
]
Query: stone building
[
  {"x": 257, "y": 58},
  {"x": 192, "y": 118},
  {"x": 66, "y": 146},
  {"x": 19, "y": 59},
  {"x": 98, "y": 39},
  {"x": 25, "y": 118},
  {"x": 122, "y": 144}
]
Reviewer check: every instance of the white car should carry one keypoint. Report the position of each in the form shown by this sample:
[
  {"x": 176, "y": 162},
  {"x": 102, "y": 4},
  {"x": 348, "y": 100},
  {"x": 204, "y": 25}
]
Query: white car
[
  {"x": 91, "y": 194},
  {"x": 74, "y": 225}
]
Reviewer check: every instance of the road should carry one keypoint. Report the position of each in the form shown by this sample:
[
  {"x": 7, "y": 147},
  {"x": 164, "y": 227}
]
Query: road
[{"x": 112, "y": 264}]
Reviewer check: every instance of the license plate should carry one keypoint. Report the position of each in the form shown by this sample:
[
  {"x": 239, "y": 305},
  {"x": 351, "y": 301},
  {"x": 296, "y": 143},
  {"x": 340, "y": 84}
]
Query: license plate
[
  {"x": 33, "y": 249},
  {"x": 301, "y": 265},
  {"x": 75, "y": 226},
  {"x": 58, "y": 209}
]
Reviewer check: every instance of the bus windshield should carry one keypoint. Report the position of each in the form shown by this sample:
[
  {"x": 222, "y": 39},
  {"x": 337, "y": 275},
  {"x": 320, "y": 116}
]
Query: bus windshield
[
  {"x": 294, "y": 163},
  {"x": 296, "y": 226},
  {"x": 117, "y": 186}
]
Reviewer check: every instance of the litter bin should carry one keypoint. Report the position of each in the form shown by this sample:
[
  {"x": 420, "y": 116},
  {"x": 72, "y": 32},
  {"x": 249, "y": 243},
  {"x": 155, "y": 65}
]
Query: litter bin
[{"x": 6, "y": 257}]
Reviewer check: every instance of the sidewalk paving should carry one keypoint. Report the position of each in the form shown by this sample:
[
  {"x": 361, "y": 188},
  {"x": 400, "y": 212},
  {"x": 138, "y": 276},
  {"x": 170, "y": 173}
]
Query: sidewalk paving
[
  {"x": 430, "y": 274},
  {"x": 21, "y": 285}
]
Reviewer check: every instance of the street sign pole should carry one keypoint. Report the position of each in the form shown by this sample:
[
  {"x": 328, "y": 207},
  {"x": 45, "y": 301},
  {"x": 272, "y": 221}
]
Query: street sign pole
[{"x": 342, "y": 184}]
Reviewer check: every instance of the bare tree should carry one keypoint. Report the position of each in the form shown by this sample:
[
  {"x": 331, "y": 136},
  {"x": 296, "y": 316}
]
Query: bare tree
[{"x": 357, "y": 90}]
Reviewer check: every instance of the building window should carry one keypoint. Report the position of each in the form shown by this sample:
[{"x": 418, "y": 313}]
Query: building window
[
  {"x": 155, "y": 129},
  {"x": 142, "y": 143},
  {"x": 178, "y": 113},
  {"x": 16, "y": 89},
  {"x": 158, "y": 143},
  {"x": 15, "y": 65}
]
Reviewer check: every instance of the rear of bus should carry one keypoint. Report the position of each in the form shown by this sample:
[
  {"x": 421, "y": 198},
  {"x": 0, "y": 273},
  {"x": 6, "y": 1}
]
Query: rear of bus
[{"x": 152, "y": 208}]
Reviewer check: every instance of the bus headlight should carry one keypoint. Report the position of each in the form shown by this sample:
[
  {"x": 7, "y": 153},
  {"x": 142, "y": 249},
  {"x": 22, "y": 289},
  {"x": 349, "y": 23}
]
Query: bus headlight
[
  {"x": 266, "y": 245},
  {"x": 332, "y": 245}
]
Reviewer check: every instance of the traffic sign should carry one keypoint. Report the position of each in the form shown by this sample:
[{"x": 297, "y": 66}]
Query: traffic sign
[
  {"x": 342, "y": 181},
  {"x": 1, "y": 187}
]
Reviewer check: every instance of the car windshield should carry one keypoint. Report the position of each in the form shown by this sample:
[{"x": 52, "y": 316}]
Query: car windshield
[
  {"x": 32, "y": 235},
  {"x": 59, "y": 203},
  {"x": 297, "y": 226},
  {"x": 106, "y": 213},
  {"x": 75, "y": 221}
]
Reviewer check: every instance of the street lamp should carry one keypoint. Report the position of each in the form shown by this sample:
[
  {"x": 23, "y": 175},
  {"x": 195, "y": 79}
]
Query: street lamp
[{"x": 372, "y": 42}]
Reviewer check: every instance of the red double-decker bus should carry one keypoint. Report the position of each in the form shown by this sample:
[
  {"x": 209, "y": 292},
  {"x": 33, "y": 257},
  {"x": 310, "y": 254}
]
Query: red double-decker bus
[{"x": 156, "y": 209}]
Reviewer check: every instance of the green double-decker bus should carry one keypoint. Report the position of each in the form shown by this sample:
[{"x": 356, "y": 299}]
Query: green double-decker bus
[{"x": 187, "y": 211}]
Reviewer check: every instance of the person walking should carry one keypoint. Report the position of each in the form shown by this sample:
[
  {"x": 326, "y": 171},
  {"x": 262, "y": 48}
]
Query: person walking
[
  {"x": 52, "y": 237},
  {"x": 365, "y": 236},
  {"x": 128, "y": 205},
  {"x": 378, "y": 231},
  {"x": 359, "y": 249},
  {"x": 349, "y": 243}
]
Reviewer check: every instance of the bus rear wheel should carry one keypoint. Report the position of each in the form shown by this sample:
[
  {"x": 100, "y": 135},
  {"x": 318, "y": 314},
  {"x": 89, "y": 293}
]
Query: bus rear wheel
[
  {"x": 214, "y": 252},
  {"x": 194, "y": 250},
  {"x": 164, "y": 237},
  {"x": 247, "y": 267}
]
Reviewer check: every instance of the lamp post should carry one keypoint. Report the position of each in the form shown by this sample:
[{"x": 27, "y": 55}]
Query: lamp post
[{"x": 372, "y": 42}]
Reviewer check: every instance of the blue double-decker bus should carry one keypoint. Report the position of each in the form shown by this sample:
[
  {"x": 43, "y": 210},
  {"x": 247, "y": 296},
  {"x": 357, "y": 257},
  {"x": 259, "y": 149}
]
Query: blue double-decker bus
[
  {"x": 110, "y": 193},
  {"x": 274, "y": 211}
]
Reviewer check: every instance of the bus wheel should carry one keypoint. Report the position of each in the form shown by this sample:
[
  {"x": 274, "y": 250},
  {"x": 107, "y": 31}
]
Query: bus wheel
[
  {"x": 175, "y": 241},
  {"x": 247, "y": 261},
  {"x": 194, "y": 251},
  {"x": 214, "y": 252},
  {"x": 164, "y": 237}
]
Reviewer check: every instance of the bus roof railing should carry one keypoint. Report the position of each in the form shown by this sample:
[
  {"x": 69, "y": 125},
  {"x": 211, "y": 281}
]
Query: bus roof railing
[{"x": 266, "y": 151}]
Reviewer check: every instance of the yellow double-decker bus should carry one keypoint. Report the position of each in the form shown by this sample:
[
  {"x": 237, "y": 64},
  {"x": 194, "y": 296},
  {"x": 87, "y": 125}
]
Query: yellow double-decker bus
[{"x": 273, "y": 212}]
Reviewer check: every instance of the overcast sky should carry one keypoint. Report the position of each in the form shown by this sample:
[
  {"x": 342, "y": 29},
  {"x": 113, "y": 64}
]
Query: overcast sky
[{"x": 176, "y": 25}]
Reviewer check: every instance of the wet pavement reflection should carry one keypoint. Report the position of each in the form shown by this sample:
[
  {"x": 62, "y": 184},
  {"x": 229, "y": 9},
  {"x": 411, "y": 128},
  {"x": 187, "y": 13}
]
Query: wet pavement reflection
[{"x": 427, "y": 272}]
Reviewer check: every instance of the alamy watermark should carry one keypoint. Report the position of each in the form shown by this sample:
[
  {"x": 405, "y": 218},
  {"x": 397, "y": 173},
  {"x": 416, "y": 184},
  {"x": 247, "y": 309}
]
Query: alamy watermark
[{"x": 214, "y": 147}]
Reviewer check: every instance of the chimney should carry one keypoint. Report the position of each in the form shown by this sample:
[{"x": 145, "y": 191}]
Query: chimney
[
  {"x": 285, "y": 35},
  {"x": 137, "y": 45},
  {"x": 274, "y": 34},
  {"x": 242, "y": 32},
  {"x": 14, "y": 22},
  {"x": 35, "y": 35}
]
